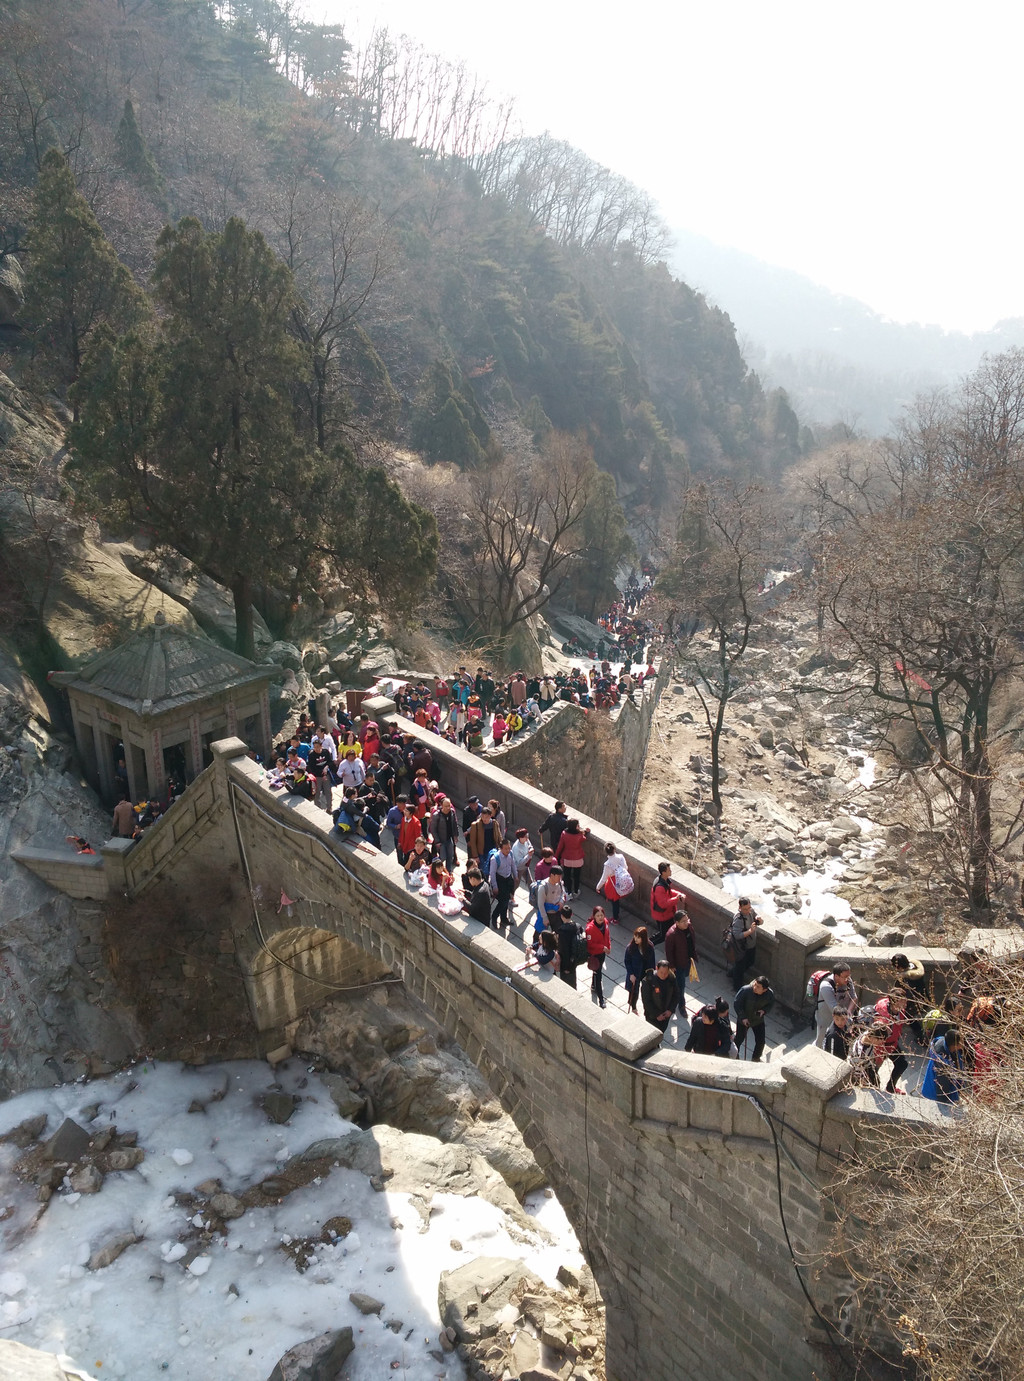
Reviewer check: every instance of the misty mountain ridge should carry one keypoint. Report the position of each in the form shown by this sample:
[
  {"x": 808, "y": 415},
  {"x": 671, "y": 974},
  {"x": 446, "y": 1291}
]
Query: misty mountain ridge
[{"x": 837, "y": 358}]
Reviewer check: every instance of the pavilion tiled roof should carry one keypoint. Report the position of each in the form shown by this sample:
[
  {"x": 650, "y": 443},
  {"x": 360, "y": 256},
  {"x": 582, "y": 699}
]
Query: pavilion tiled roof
[{"x": 160, "y": 668}]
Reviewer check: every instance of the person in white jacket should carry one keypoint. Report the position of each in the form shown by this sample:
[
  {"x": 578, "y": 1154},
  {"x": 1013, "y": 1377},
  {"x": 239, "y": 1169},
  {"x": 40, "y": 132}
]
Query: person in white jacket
[{"x": 614, "y": 864}]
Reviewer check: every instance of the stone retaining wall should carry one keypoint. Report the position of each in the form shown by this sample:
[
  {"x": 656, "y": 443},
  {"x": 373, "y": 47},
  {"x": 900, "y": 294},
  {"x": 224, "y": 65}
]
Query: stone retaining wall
[{"x": 594, "y": 758}]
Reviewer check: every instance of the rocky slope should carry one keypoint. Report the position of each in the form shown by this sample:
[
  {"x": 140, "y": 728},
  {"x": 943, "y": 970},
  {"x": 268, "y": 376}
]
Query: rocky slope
[
  {"x": 815, "y": 819},
  {"x": 60, "y": 1013}
]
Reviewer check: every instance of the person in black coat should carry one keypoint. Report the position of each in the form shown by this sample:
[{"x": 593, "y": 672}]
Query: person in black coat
[
  {"x": 476, "y": 899},
  {"x": 659, "y": 994},
  {"x": 300, "y": 785},
  {"x": 709, "y": 1035},
  {"x": 554, "y": 825},
  {"x": 566, "y": 931},
  {"x": 837, "y": 1037},
  {"x": 752, "y": 1004}
]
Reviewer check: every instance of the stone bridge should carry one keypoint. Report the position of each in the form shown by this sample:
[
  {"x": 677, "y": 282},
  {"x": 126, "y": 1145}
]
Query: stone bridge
[{"x": 693, "y": 1183}]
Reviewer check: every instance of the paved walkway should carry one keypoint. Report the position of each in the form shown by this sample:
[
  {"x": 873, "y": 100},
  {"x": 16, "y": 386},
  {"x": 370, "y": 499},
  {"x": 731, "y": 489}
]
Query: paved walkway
[{"x": 785, "y": 1032}]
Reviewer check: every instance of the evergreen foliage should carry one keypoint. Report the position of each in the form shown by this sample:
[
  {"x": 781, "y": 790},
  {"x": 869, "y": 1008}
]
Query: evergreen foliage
[
  {"x": 135, "y": 158},
  {"x": 75, "y": 281},
  {"x": 190, "y": 428}
]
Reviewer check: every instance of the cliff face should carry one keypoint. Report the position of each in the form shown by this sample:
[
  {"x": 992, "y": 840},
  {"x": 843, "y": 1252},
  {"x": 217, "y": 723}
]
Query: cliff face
[{"x": 60, "y": 1016}]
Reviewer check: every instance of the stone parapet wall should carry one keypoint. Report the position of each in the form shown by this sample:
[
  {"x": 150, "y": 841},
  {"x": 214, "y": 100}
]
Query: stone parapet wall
[{"x": 76, "y": 875}]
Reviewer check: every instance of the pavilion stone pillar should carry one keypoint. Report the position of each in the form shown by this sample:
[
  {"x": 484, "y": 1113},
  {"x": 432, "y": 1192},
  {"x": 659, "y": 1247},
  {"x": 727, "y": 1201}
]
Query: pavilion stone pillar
[
  {"x": 266, "y": 733},
  {"x": 135, "y": 789},
  {"x": 194, "y": 749},
  {"x": 155, "y": 770},
  {"x": 104, "y": 766},
  {"x": 232, "y": 718}
]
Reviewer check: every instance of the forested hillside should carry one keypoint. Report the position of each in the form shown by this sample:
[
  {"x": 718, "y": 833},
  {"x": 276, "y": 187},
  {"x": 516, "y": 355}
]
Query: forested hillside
[{"x": 488, "y": 302}]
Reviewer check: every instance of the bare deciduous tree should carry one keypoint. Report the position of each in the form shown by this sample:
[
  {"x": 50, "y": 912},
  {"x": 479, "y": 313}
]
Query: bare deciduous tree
[
  {"x": 922, "y": 568},
  {"x": 726, "y": 534},
  {"x": 929, "y": 1206},
  {"x": 526, "y": 514}
]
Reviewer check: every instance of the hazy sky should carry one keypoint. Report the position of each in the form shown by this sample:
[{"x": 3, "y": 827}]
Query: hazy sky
[{"x": 874, "y": 148}]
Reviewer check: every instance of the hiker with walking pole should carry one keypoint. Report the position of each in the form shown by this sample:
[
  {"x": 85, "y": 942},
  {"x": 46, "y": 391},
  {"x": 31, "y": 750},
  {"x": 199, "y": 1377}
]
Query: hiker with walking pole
[{"x": 752, "y": 1003}]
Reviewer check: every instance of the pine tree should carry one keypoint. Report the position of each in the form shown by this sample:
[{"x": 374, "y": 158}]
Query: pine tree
[
  {"x": 135, "y": 158},
  {"x": 75, "y": 280}
]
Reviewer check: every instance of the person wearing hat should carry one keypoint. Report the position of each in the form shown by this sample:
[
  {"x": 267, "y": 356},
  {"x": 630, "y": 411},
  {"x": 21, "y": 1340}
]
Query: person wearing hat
[
  {"x": 659, "y": 994},
  {"x": 470, "y": 812},
  {"x": 910, "y": 975},
  {"x": 708, "y": 1034}
]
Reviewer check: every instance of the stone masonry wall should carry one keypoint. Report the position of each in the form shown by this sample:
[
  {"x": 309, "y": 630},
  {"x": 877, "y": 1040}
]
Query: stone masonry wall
[{"x": 593, "y": 758}]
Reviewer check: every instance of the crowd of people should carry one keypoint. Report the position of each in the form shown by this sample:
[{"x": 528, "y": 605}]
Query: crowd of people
[{"x": 957, "y": 1039}]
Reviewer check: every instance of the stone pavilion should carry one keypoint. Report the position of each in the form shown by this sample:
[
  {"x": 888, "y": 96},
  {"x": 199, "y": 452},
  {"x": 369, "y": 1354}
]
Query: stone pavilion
[{"x": 145, "y": 712}]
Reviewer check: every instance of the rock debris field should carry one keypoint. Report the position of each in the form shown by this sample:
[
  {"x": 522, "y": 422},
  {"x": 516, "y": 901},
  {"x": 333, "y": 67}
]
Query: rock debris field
[
  {"x": 170, "y": 1221},
  {"x": 813, "y": 822}
]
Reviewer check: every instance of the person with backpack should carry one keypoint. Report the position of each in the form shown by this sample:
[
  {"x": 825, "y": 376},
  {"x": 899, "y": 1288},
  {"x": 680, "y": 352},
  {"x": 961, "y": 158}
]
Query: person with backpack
[
  {"x": 569, "y": 938},
  {"x": 835, "y": 991},
  {"x": 599, "y": 944},
  {"x": 550, "y": 898},
  {"x": 743, "y": 933},
  {"x": 615, "y": 881}
]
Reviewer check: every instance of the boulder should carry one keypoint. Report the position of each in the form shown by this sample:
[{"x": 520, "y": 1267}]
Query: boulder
[
  {"x": 12, "y": 290},
  {"x": 350, "y": 1105},
  {"x": 227, "y": 1206},
  {"x": 107, "y": 1254},
  {"x": 278, "y": 1106},
  {"x": 21, "y": 1363},
  {"x": 766, "y": 738},
  {"x": 284, "y": 654},
  {"x": 87, "y": 1179},
  {"x": 850, "y": 827},
  {"x": 408, "y": 1163},
  {"x": 433, "y": 1089},
  {"x": 366, "y": 1304},
  {"x": 473, "y": 1298},
  {"x": 318, "y": 1359},
  {"x": 69, "y": 1143},
  {"x": 26, "y": 1132}
]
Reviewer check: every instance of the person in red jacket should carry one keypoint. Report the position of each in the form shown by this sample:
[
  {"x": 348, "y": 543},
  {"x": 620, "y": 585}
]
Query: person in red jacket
[
  {"x": 570, "y": 854},
  {"x": 665, "y": 903},
  {"x": 599, "y": 943},
  {"x": 408, "y": 831},
  {"x": 892, "y": 1010}
]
